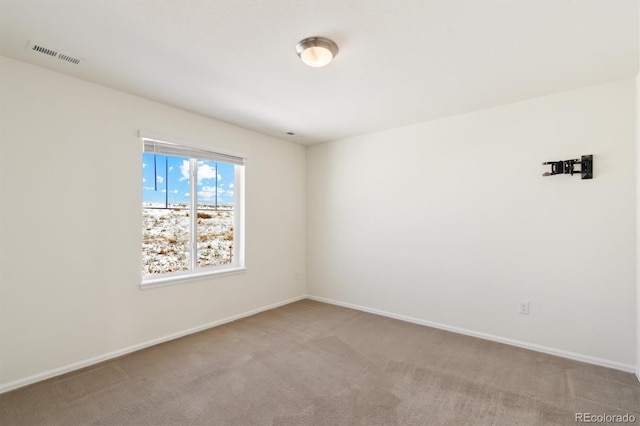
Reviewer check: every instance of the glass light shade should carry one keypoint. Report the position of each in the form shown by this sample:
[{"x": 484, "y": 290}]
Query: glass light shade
[
  {"x": 316, "y": 56},
  {"x": 316, "y": 51}
]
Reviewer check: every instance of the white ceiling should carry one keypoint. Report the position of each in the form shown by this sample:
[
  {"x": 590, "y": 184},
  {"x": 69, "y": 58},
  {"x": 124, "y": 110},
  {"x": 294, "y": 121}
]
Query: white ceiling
[{"x": 400, "y": 61}]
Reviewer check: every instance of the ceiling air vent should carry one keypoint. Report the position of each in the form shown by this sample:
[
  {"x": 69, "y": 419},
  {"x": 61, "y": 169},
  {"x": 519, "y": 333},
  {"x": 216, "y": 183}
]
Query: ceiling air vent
[
  {"x": 54, "y": 53},
  {"x": 69, "y": 59}
]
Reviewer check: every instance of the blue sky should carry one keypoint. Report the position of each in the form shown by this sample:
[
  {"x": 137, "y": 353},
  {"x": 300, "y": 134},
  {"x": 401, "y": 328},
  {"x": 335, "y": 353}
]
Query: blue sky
[{"x": 177, "y": 181}]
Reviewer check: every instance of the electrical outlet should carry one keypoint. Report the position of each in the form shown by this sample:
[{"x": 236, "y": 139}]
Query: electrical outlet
[{"x": 524, "y": 307}]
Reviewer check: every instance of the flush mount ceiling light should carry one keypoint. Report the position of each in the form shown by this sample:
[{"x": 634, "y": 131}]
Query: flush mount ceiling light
[{"x": 316, "y": 51}]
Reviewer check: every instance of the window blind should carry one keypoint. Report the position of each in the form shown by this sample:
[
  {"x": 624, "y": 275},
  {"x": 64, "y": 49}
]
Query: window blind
[{"x": 163, "y": 146}]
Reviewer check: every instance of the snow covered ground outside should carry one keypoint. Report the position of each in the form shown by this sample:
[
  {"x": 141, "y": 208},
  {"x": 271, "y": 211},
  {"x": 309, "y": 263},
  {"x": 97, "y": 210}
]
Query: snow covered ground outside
[{"x": 165, "y": 239}]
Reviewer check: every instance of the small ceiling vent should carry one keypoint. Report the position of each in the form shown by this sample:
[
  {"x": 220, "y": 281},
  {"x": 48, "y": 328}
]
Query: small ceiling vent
[
  {"x": 69, "y": 58},
  {"x": 54, "y": 53}
]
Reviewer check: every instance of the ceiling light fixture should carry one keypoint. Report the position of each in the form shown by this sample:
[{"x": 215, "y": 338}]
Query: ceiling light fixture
[{"x": 316, "y": 51}]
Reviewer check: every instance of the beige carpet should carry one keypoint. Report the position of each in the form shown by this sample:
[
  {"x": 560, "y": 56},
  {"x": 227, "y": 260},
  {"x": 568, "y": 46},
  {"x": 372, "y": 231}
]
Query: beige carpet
[{"x": 310, "y": 363}]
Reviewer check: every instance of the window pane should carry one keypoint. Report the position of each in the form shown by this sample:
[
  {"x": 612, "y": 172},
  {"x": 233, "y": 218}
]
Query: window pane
[
  {"x": 215, "y": 239},
  {"x": 165, "y": 213}
]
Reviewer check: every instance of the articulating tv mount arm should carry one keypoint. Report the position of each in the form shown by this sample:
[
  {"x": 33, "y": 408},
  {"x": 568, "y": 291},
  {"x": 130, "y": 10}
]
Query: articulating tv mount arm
[{"x": 567, "y": 167}]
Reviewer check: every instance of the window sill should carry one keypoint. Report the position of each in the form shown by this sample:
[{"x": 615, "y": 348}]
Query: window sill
[{"x": 164, "y": 281}]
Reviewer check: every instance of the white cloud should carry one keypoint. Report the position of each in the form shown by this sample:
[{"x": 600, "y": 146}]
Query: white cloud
[
  {"x": 175, "y": 191},
  {"x": 230, "y": 185},
  {"x": 208, "y": 193},
  {"x": 184, "y": 170},
  {"x": 160, "y": 179},
  {"x": 144, "y": 165},
  {"x": 143, "y": 180},
  {"x": 205, "y": 171},
  {"x": 149, "y": 188},
  {"x": 171, "y": 168}
]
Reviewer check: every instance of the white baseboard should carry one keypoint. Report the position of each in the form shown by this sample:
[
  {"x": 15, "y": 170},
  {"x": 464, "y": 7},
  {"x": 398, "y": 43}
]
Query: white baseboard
[
  {"x": 105, "y": 357},
  {"x": 538, "y": 348}
]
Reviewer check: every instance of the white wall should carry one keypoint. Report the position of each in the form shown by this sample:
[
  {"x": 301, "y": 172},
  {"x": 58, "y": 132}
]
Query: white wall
[
  {"x": 638, "y": 226},
  {"x": 70, "y": 171},
  {"x": 638, "y": 220},
  {"x": 451, "y": 222},
  {"x": 456, "y": 231}
]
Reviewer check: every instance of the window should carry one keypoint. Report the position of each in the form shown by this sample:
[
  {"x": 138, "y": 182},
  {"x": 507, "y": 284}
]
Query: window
[{"x": 191, "y": 211}]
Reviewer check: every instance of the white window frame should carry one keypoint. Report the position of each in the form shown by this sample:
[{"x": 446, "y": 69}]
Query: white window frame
[{"x": 172, "y": 147}]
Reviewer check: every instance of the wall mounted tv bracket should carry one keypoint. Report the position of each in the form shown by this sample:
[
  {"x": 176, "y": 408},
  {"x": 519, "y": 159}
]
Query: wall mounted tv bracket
[{"x": 567, "y": 167}]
